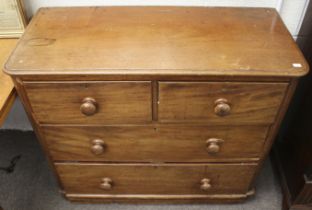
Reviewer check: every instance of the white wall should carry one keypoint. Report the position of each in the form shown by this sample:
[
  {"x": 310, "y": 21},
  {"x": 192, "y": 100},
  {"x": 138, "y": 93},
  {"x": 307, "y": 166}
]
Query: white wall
[{"x": 291, "y": 11}]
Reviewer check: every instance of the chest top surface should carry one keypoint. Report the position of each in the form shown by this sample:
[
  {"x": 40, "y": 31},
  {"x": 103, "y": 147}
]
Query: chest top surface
[{"x": 157, "y": 40}]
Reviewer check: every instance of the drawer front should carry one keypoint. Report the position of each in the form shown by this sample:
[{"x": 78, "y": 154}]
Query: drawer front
[
  {"x": 220, "y": 102},
  {"x": 156, "y": 178},
  {"x": 90, "y": 102},
  {"x": 155, "y": 143}
]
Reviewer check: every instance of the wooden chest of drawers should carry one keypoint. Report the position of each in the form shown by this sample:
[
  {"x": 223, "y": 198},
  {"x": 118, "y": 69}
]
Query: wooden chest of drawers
[{"x": 173, "y": 104}]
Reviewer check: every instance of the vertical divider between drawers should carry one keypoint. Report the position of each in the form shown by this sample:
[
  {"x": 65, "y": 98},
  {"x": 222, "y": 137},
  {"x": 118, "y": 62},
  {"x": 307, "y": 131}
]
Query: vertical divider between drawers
[{"x": 154, "y": 100}]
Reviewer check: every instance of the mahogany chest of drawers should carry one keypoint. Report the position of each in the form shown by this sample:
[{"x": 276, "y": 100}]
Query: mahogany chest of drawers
[{"x": 172, "y": 104}]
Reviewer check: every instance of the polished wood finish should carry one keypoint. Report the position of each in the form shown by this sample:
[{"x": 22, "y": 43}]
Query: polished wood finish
[
  {"x": 141, "y": 109},
  {"x": 241, "y": 103},
  {"x": 156, "y": 199},
  {"x": 88, "y": 106},
  {"x": 167, "y": 143},
  {"x": 205, "y": 184},
  {"x": 7, "y": 93},
  {"x": 183, "y": 179},
  {"x": 106, "y": 184},
  {"x": 157, "y": 40},
  {"x": 97, "y": 147},
  {"x": 64, "y": 103},
  {"x": 213, "y": 145},
  {"x": 222, "y": 107}
]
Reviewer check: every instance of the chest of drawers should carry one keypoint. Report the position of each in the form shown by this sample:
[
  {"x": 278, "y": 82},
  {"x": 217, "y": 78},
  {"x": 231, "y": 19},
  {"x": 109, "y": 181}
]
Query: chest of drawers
[{"x": 156, "y": 104}]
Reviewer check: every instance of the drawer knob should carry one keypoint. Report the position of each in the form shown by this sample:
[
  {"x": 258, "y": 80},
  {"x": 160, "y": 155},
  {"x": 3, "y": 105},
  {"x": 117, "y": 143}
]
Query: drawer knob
[
  {"x": 106, "y": 184},
  {"x": 98, "y": 146},
  {"x": 213, "y": 145},
  {"x": 205, "y": 184},
  {"x": 88, "y": 106},
  {"x": 222, "y": 107}
]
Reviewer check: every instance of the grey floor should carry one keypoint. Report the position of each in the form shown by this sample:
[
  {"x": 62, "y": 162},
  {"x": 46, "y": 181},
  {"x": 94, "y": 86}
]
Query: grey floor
[{"x": 32, "y": 186}]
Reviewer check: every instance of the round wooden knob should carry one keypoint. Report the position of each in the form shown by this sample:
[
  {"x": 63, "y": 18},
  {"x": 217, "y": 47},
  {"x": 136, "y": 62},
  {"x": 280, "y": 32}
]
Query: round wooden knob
[
  {"x": 98, "y": 146},
  {"x": 222, "y": 107},
  {"x": 213, "y": 145},
  {"x": 205, "y": 184},
  {"x": 213, "y": 148},
  {"x": 88, "y": 106},
  {"x": 106, "y": 184}
]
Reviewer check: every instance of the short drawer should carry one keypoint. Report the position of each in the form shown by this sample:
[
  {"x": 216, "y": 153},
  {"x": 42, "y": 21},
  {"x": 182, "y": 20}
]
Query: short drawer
[
  {"x": 90, "y": 102},
  {"x": 155, "y": 143},
  {"x": 155, "y": 178},
  {"x": 220, "y": 102}
]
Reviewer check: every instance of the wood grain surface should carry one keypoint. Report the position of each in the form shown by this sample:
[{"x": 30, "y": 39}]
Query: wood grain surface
[
  {"x": 160, "y": 199},
  {"x": 159, "y": 143},
  {"x": 117, "y": 102},
  {"x": 156, "y": 178},
  {"x": 157, "y": 41},
  {"x": 195, "y": 102},
  {"x": 156, "y": 103}
]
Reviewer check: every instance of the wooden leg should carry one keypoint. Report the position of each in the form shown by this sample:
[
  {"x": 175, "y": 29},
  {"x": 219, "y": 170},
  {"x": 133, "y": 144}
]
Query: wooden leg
[{"x": 285, "y": 205}]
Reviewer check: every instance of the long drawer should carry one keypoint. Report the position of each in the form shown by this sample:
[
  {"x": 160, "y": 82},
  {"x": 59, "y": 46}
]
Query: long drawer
[
  {"x": 161, "y": 143},
  {"x": 220, "y": 102},
  {"x": 90, "y": 102},
  {"x": 155, "y": 178}
]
